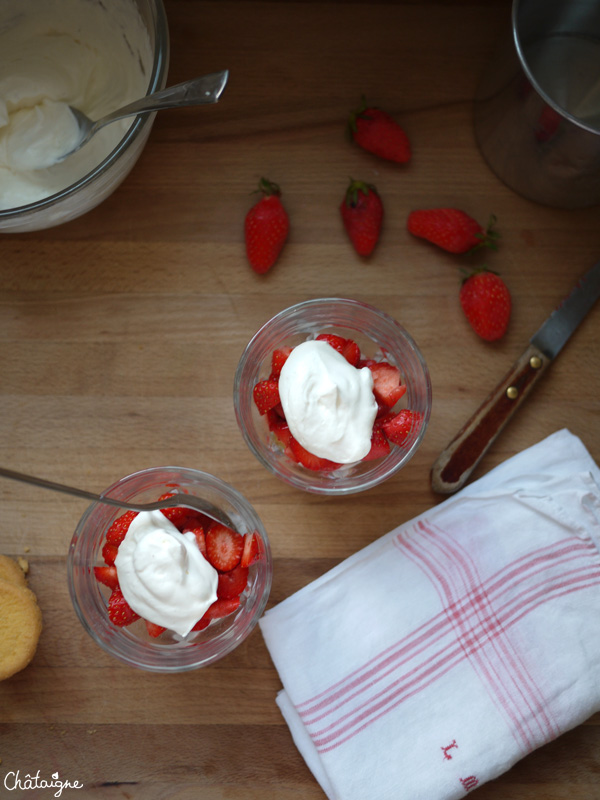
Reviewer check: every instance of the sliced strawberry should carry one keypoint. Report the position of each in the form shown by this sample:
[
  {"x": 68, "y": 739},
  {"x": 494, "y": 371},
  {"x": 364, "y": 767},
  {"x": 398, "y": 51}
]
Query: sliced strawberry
[
  {"x": 337, "y": 342},
  {"x": 222, "y": 607},
  {"x": 278, "y": 409},
  {"x": 266, "y": 395},
  {"x": 196, "y": 524},
  {"x": 387, "y": 386},
  {"x": 366, "y": 362},
  {"x": 279, "y": 427},
  {"x": 116, "y": 533},
  {"x": 119, "y": 611},
  {"x": 382, "y": 410},
  {"x": 224, "y": 547},
  {"x": 250, "y": 553},
  {"x": 309, "y": 460},
  {"x": 153, "y": 629},
  {"x": 278, "y": 359},
  {"x": 379, "y": 445},
  {"x": 196, "y": 519},
  {"x": 200, "y": 535},
  {"x": 397, "y": 427},
  {"x": 176, "y": 515},
  {"x": 351, "y": 352},
  {"x": 346, "y": 347},
  {"x": 109, "y": 553},
  {"x": 107, "y": 575},
  {"x": 232, "y": 583}
]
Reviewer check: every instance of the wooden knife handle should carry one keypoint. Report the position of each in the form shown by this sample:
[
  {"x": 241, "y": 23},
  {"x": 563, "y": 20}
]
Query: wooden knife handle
[{"x": 455, "y": 464}]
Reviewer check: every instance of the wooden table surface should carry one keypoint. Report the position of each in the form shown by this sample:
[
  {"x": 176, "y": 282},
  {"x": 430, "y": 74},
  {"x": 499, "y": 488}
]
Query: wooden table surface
[{"x": 120, "y": 333}]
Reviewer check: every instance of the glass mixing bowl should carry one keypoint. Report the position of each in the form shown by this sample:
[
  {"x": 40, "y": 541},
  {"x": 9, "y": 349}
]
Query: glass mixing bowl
[{"x": 94, "y": 187}]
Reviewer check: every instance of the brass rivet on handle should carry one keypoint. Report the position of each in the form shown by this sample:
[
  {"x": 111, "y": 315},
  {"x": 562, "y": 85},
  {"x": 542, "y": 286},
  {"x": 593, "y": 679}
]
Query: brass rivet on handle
[
  {"x": 512, "y": 392},
  {"x": 535, "y": 362}
]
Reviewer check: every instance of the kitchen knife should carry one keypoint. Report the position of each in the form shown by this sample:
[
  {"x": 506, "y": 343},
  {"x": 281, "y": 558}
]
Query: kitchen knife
[{"x": 455, "y": 464}]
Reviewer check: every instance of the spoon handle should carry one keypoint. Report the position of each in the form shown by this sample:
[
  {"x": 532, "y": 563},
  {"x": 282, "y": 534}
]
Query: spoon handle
[
  {"x": 198, "y": 91},
  {"x": 55, "y": 487},
  {"x": 176, "y": 499}
]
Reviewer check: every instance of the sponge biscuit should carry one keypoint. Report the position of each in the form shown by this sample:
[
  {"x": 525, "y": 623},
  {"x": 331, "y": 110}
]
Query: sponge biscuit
[
  {"x": 20, "y": 620},
  {"x": 11, "y": 572}
]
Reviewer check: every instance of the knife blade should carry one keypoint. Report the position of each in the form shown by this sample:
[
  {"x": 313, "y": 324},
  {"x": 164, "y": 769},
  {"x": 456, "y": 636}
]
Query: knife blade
[{"x": 457, "y": 461}]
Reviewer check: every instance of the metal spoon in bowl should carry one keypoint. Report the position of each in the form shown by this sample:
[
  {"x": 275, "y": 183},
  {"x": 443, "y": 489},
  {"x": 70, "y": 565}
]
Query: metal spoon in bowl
[
  {"x": 198, "y": 91},
  {"x": 177, "y": 499}
]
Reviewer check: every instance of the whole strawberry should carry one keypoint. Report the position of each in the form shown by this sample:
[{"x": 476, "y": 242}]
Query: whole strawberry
[
  {"x": 451, "y": 229},
  {"x": 486, "y": 301},
  {"x": 362, "y": 214},
  {"x": 266, "y": 228},
  {"x": 377, "y": 132}
]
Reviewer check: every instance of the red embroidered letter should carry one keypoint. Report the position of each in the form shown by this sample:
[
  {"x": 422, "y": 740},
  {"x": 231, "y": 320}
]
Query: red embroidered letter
[
  {"x": 469, "y": 783},
  {"x": 449, "y": 747}
]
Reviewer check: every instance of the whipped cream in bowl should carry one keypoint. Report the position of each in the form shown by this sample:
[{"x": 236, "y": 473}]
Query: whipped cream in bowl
[
  {"x": 321, "y": 434},
  {"x": 164, "y": 576},
  {"x": 88, "y": 54},
  {"x": 328, "y": 404}
]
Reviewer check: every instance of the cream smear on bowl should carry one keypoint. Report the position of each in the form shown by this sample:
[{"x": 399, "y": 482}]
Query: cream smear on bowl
[{"x": 94, "y": 56}]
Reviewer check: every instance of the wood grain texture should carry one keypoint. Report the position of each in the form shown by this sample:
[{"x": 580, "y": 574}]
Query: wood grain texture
[{"x": 120, "y": 333}]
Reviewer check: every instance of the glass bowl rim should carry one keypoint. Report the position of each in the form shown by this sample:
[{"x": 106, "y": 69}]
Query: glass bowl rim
[{"x": 158, "y": 72}]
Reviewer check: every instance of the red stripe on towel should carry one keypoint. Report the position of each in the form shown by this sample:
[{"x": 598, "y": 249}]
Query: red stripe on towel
[{"x": 471, "y": 627}]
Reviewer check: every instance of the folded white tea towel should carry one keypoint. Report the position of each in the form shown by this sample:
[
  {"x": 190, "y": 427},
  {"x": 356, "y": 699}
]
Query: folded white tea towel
[{"x": 432, "y": 660}]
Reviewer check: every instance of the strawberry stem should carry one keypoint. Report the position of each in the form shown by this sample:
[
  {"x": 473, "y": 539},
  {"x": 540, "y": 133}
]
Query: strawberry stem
[
  {"x": 351, "y": 128},
  {"x": 468, "y": 273},
  {"x": 489, "y": 238},
  {"x": 356, "y": 187},
  {"x": 267, "y": 187}
]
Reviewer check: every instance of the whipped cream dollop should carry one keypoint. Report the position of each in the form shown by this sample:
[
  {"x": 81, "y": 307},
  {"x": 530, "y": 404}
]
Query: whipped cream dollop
[
  {"x": 328, "y": 404},
  {"x": 92, "y": 55},
  {"x": 163, "y": 575}
]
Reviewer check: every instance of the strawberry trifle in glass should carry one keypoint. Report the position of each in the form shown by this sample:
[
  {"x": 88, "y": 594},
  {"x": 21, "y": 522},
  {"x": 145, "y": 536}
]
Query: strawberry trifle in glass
[
  {"x": 332, "y": 395},
  {"x": 172, "y": 589}
]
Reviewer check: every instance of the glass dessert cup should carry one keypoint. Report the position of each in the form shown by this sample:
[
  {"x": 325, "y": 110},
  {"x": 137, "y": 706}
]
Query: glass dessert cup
[
  {"x": 132, "y": 644},
  {"x": 379, "y": 337}
]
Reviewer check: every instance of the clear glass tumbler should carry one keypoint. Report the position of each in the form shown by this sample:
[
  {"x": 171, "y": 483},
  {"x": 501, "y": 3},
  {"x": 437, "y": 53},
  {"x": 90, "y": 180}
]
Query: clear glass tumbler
[
  {"x": 132, "y": 644},
  {"x": 379, "y": 337}
]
